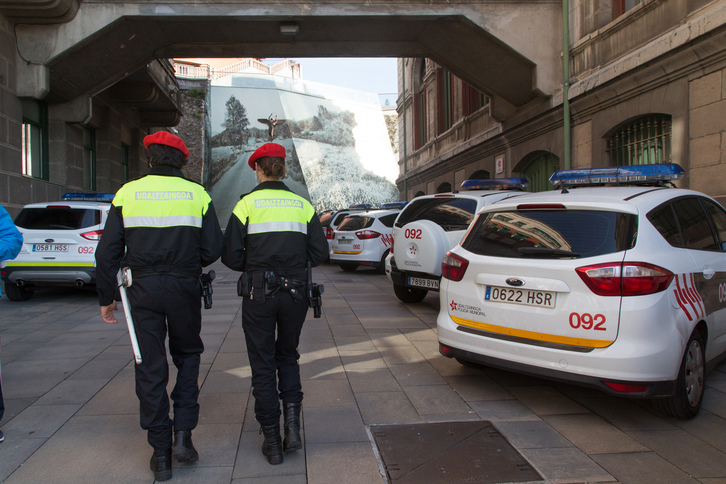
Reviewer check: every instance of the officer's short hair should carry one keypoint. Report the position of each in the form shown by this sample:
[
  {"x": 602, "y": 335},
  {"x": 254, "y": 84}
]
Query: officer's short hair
[{"x": 163, "y": 155}]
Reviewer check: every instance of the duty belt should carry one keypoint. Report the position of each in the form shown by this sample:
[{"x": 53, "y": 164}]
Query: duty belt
[{"x": 162, "y": 270}]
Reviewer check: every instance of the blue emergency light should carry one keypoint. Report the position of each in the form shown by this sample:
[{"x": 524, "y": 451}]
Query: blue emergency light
[
  {"x": 392, "y": 205},
  {"x": 88, "y": 197},
  {"x": 496, "y": 184},
  {"x": 631, "y": 174},
  {"x": 362, "y": 206}
]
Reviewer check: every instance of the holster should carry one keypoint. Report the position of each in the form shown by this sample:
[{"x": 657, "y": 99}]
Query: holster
[{"x": 257, "y": 285}]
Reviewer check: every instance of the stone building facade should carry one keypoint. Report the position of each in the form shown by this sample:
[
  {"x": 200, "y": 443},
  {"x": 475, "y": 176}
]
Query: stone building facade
[{"x": 647, "y": 84}]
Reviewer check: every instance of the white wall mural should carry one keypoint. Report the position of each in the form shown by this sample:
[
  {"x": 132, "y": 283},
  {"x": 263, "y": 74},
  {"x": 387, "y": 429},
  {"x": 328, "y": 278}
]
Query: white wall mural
[{"x": 338, "y": 149}]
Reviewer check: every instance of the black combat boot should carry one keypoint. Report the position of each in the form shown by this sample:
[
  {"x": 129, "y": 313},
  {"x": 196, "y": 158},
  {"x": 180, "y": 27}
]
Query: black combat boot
[
  {"x": 161, "y": 465},
  {"x": 292, "y": 440},
  {"x": 272, "y": 446},
  {"x": 183, "y": 449}
]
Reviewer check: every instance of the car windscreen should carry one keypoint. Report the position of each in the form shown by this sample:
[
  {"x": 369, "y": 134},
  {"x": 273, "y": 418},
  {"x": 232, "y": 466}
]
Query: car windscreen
[
  {"x": 57, "y": 218},
  {"x": 355, "y": 223},
  {"x": 448, "y": 212},
  {"x": 547, "y": 234}
]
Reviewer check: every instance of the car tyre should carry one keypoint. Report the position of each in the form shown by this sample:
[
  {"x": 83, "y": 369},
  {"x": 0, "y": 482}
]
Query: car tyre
[
  {"x": 348, "y": 267},
  {"x": 409, "y": 294},
  {"x": 382, "y": 267},
  {"x": 18, "y": 293},
  {"x": 690, "y": 385}
]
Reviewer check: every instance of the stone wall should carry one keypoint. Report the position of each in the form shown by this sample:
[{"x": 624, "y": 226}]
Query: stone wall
[{"x": 707, "y": 134}]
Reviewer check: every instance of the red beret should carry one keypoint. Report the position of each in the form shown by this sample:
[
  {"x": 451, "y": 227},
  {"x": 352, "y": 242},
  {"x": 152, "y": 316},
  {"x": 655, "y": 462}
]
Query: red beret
[
  {"x": 268, "y": 149},
  {"x": 166, "y": 138}
]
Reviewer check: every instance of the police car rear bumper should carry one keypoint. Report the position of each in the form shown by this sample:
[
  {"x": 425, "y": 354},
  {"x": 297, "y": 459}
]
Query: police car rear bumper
[
  {"x": 46, "y": 275},
  {"x": 656, "y": 389},
  {"x": 403, "y": 279}
]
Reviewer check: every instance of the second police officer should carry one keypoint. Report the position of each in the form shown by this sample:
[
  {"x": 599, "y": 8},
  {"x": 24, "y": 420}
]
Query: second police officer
[
  {"x": 165, "y": 229},
  {"x": 271, "y": 235}
]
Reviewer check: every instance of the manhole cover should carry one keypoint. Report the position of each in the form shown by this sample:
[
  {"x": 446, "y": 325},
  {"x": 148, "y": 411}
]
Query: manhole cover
[{"x": 449, "y": 452}]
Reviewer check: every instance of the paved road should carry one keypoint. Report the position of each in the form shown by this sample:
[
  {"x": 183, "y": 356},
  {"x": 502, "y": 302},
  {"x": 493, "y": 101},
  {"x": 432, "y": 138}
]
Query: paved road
[{"x": 72, "y": 415}]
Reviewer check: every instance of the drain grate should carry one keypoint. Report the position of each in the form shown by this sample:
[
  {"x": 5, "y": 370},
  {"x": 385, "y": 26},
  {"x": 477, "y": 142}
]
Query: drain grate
[{"x": 449, "y": 452}]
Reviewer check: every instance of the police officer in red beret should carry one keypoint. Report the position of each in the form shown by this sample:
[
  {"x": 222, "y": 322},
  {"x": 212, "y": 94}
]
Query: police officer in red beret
[
  {"x": 164, "y": 228},
  {"x": 271, "y": 235}
]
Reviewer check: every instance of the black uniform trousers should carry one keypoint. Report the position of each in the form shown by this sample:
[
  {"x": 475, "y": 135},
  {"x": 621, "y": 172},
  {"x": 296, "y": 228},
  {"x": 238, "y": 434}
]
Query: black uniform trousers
[
  {"x": 274, "y": 360},
  {"x": 161, "y": 303}
]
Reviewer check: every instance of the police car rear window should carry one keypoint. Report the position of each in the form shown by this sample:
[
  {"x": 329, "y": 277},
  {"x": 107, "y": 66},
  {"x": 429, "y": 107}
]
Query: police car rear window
[
  {"x": 355, "y": 223},
  {"x": 545, "y": 234},
  {"x": 450, "y": 213},
  {"x": 57, "y": 218}
]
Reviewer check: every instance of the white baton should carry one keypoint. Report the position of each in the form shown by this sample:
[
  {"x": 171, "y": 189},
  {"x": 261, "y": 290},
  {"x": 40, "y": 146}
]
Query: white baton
[{"x": 124, "y": 280}]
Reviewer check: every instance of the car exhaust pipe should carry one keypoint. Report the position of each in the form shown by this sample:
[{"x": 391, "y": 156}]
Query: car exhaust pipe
[
  {"x": 79, "y": 283},
  {"x": 20, "y": 283}
]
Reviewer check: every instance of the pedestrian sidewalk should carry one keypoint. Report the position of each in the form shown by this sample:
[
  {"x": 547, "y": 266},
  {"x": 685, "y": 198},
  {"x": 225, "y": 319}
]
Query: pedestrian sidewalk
[{"x": 72, "y": 414}]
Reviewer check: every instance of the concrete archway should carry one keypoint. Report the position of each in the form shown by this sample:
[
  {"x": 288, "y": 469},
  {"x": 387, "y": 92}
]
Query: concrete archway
[{"x": 106, "y": 41}]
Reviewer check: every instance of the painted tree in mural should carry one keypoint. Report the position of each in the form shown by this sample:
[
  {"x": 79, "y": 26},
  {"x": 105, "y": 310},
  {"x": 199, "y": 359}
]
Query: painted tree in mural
[{"x": 236, "y": 122}]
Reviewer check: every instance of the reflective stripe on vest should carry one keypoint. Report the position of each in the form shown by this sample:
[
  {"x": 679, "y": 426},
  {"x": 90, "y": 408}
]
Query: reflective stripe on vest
[
  {"x": 170, "y": 221},
  {"x": 277, "y": 227},
  {"x": 162, "y": 201}
]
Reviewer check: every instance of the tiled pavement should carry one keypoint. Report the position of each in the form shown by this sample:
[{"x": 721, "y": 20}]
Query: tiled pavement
[{"x": 72, "y": 415}]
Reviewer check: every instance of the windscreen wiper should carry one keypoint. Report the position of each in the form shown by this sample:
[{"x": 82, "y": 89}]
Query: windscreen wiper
[{"x": 546, "y": 251}]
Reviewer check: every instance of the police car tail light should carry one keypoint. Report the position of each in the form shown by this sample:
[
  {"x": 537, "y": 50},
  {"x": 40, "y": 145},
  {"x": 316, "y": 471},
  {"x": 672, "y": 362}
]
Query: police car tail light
[
  {"x": 453, "y": 267},
  {"x": 367, "y": 234},
  {"x": 93, "y": 235},
  {"x": 329, "y": 233},
  {"x": 629, "y": 279}
]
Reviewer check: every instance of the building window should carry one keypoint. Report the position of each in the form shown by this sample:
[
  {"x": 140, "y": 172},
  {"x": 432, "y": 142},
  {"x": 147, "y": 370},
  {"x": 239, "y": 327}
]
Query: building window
[
  {"x": 89, "y": 158},
  {"x": 444, "y": 98},
  {"x": 35, "y": 139},
  {"x": 622, "y": 6},
  {"x": 479, "y": 175},
  {"x": 645, "y": 141},
  {"x": 472, "y": 99},
  {"x": 444, "y": 188},
  {"x": 419, "y": 106},
  {"x": 124, "y": 161}
]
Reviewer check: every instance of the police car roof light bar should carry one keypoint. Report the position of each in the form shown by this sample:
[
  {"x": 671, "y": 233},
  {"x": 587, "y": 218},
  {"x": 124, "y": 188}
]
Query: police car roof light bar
[
  {"x": 364, "y": 206},
  {"x": 88, "y": 197},
  {"x": 631, "y": 174},
  {"x": 392, "y": 205},
  {"x": 496, "y": 184}
]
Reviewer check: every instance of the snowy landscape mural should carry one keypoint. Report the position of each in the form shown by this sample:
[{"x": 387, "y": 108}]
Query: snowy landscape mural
[{"x": 338, "y": 149}]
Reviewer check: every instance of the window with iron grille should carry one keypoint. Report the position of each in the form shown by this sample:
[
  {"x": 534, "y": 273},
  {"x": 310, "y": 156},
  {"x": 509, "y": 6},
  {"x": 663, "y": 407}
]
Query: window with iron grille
[{"x": 644, "y": 141}]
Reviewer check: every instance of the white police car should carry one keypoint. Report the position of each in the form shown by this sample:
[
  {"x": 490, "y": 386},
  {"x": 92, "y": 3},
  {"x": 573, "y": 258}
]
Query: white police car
[
  {"x": 430, "y": 225},
  {"x": 621, "y": 288},
  {"x": 364, "y": 239},
  {"x": 331, "y": 221},
  {"x": 59, "y": 244}
]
